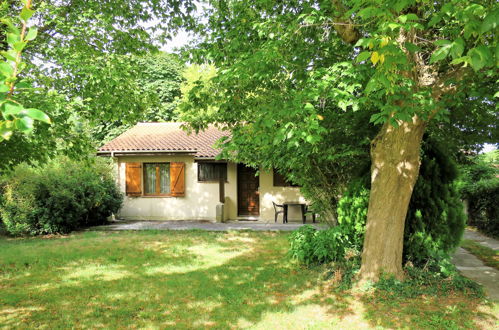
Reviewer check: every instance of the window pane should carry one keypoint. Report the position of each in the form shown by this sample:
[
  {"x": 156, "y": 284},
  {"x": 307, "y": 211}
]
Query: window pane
[
  {"x": 212, "y": 171},
  {"x": 164, "y": 171},
  {"x": 150, "y": 178}
]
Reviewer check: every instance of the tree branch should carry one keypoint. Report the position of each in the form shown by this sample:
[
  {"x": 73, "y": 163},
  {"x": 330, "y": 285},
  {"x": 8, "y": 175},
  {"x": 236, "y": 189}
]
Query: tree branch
[{"x": 344, "y": 27}]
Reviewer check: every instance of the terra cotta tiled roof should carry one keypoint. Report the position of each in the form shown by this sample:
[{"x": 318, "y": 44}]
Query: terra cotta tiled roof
[{"x": 164, "y": 137}]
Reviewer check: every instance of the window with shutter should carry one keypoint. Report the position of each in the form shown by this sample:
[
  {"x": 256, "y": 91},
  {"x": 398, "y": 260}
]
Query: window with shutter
[
  {"x": 133, "y": 179},
  {"x": 157, "y": 179}
]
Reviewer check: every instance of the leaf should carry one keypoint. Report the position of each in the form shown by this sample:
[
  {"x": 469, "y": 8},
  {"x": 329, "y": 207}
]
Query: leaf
[
  {"x": 363, "y": 56},
  {"x": 393, "y": 26},
  {"x": 457, "y": 48},
  {"x": 434, "y": 20},
  {"x": 26, "y": 14},
  {"x": 442, "y": 42},
  {"x": 394, "y": 122},
  {"x": 4, "y": 88},
  {"x": 460, "y": 60},
  {"x": 362, "y": 42},
  {"x": 38, "y": 115},
  {"x": 9, "y": 55},
  {"x": 440, "y": 53},
  {"x": 12, "y": 28},
  {"x": 309, "y": 106},
  {"x": 375, "y": 57},
  {"x": 375, "y": 117},
  {"x": 6, "y": 69},
  {"x": 411, "y": 47},
  {"x": 5, "y": 132},
  {"x": 11, "y": 108},
  {"x": 32, "y": 33},
  {"x": 23, "y": 85},
  {"x": 412, "y": 17},
  {"x": 490, "y": 21},
  {"x": 368, "y": 12},
  {"x": 24, "y": 124},
  {"x": 12, "y": 38},
  {"x": 19, "y": 46},
  {"x": 480, "y": 57}
]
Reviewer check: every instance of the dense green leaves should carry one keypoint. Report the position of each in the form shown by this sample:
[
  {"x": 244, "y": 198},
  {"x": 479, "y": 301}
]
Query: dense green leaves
[
  {"x": 58, "y": 197},
  {"x": 13, "y": 114},
  {"x": 83, "y": 57}
]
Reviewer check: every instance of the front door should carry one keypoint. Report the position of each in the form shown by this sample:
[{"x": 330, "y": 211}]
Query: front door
[{"x": 248, "y": 200}]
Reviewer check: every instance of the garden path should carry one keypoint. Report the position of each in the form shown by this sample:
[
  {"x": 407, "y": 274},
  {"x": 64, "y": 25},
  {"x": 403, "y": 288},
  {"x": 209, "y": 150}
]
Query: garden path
[{"x": 473, "y": 268}]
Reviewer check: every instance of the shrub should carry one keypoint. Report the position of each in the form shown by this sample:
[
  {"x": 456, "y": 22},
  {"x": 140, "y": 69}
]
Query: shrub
[
  {"x": 435, "y": 219},
  {"x": 57, "y": 198},
  {"x": 479, "y": 186},
  {"x": 312, "y": 246},
  {"x": 352, "y": 211}
]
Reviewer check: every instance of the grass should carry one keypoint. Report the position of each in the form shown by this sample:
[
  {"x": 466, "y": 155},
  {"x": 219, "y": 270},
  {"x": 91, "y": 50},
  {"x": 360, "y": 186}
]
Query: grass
[
  {"x": 489, "y": 256},
  {"x": 198, "y": 279}
]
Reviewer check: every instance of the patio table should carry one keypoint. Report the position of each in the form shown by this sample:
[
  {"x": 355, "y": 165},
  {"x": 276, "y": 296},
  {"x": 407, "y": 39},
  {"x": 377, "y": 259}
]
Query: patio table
[{"x": 293, "y": 203}]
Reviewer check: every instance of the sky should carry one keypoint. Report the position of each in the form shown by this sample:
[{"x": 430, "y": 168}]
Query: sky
[{"x": 178, "y": 41}]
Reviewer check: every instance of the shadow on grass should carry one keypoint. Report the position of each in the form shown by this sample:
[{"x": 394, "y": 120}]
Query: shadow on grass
[{"x": 184, "y": 280}]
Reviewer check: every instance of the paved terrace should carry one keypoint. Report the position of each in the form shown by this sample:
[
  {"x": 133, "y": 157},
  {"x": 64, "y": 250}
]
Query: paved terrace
[{"x": 206, "y": 225}]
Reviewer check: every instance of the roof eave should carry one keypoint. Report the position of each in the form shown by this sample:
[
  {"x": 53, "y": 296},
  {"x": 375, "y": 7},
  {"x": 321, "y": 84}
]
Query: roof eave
[{"x": 118, "y": 153}]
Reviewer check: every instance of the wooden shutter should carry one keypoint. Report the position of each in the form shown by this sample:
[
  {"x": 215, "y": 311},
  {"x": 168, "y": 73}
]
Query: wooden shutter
[
  {"x": 177, "y": 179},
  {"x": 133, "y": 179}
]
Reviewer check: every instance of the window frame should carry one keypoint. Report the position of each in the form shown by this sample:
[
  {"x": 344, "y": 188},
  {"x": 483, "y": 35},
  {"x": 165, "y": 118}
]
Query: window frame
[
  {"x": 212, "y": 163},
  {"x": 158, "y": 180}
]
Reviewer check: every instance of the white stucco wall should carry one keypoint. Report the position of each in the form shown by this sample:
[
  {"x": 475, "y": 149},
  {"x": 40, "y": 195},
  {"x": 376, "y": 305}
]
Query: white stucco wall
[
  {"x": 201, "y": 198},
  {"x": 199, "y": 202},
  {"x": 269, "y": 193}
]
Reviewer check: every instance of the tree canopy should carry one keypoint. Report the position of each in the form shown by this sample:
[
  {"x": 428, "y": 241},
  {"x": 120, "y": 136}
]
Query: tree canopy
[
  {"x": 86, "y": 64},
  {"x": 288, "y": 71}
]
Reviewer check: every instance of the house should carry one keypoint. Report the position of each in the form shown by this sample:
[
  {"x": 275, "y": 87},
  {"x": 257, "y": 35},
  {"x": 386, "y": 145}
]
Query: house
[{"x": 167, "y": 174}]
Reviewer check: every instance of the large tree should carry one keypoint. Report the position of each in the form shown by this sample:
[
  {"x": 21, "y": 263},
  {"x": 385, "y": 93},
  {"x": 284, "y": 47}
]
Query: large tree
[
  {"x": 284, "y": 67},
  {"x": 84, "y": 65}
]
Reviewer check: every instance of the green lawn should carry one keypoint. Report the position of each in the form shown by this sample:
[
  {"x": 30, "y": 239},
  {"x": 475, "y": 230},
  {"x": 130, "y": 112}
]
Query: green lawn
[{"x": 196, "y": 279}]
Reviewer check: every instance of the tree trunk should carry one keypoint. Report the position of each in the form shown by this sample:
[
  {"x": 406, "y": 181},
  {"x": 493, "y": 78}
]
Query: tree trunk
[{"x": 395, "y": 156}]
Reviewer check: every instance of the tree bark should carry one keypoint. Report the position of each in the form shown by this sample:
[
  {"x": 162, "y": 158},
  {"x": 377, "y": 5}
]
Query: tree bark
[{"x": 395, "y": 156}]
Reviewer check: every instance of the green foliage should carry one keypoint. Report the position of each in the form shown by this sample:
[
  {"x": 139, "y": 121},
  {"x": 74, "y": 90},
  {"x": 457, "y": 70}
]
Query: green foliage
[
  {"x": 427, "y": 281},
  {"x": 435, "y": 220},
  {"x": 311, "y": 246},
  {"x": 13, "y": 115},
  {"x": 479, "y": 186},
  {"x": 156, "y": 81},
  {"x": 58, "y": 197},
  {"x": 303, "y": 86},
  {"x": 352, "y": 211},
  {"x": 84, "y": 64}
]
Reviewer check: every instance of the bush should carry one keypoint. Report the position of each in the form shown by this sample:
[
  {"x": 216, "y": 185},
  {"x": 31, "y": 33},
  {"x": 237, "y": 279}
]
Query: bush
[
  {"x": 479, "y": 186},
  {"x": 312, "y": 246},
  {"x": 435, "y": 219},
  {"x": 352, "y": 211},
  {"x": 57, "y": 198}
]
